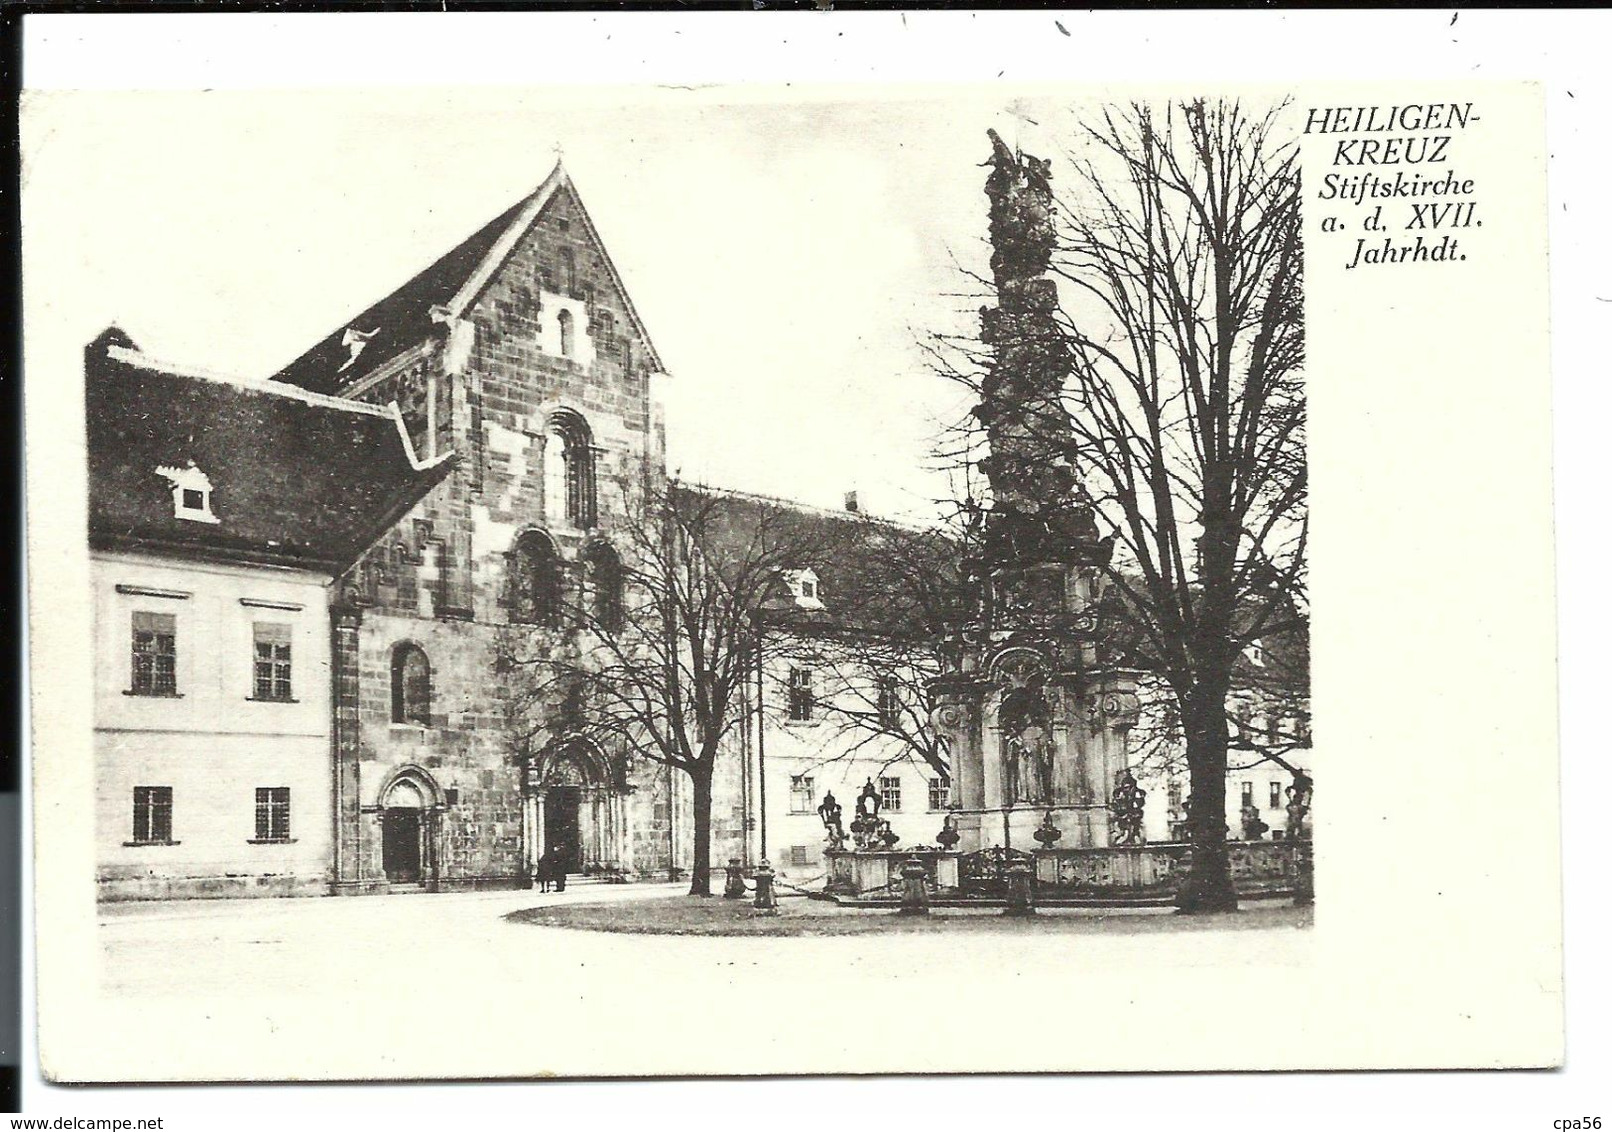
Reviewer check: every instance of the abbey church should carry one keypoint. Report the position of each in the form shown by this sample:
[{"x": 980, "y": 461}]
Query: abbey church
[
  {"x": 505, "y": 396},
  {"x": 307, "y": 590}
]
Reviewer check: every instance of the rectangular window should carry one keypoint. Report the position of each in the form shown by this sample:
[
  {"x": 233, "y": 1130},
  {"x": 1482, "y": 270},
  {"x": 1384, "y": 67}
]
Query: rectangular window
[
  {"x": 889, "y": 705},
  {"x": 153, "y": 814},
  {"x": 1276, "y": 795},
  {"x": 890, "y": 794},
  {"x": 801, "y": 794},
  {"x": 800, "y": 856},
  {"x": 1174, "y": 792},
  {"x": 273, "y": 813},
  {"x": 1248, "y": 793},
  {"x": 154, "y": 655},
  {"x": 940, "y": 793},
  {"x": 802, "y": 701},
  {"x": 271, "y": 661}
]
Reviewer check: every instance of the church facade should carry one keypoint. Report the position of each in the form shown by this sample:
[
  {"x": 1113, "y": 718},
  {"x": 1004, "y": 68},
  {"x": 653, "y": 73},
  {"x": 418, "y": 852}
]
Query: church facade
[{"x": 520, "y": 352}]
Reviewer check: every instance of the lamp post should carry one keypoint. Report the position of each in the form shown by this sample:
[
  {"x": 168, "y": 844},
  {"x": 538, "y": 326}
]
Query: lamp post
[{"x": 761, "y": 737}]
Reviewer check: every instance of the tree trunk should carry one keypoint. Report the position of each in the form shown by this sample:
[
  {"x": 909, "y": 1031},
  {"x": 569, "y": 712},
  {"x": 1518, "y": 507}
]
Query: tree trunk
[
  {"x": 700, "y": 878},
  {"x": 1207, "y": 886}
]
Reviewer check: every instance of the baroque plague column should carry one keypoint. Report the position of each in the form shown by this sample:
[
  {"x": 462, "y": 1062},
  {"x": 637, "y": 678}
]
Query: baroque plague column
[{"x": 1036, "y": 728}]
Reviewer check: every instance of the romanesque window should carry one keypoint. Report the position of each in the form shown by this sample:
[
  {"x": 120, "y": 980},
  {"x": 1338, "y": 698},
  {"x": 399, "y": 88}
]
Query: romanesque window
[
  {"x": 271, "y": 661},
  {"x": 154, "y": 655},
  {"x": 602, "y": 572},
  {"x": 153, "y": 815},
  {"x": 568, "y": 269},
  {"x": 535, "y": 581},
  {"x": 802, "y": 700},
  {"x": 890, "y": 794},
  {"x": 568, "y": 345},
  {"x": 568, "y": 471},
  {"x": 273, "y": 813},
  {"x": 411, "y": 685}
]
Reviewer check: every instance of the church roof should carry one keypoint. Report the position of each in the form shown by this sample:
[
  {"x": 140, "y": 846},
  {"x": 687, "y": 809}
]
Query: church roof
[
  {"x": 450, "y": 284},
  {"x": 873, "y": 575},
  {"x": 282, "y": 476}
]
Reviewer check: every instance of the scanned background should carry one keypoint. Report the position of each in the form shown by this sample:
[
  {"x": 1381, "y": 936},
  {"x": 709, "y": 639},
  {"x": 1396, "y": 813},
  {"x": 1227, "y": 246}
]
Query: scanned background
[{"x": 1433, "y": 652}]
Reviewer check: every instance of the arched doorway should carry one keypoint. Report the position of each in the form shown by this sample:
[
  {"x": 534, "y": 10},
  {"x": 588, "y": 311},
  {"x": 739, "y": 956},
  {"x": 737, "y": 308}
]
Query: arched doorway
[
  {"x": 562, "y": 818},
  {"x": 575, "y": 811},
  {"x": 409, "y": 803}
]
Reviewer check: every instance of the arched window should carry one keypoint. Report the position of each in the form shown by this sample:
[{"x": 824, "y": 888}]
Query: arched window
[
  {"x": 568, "y": 344},
  {"x": 568, "y": 268},
  {"x": 568, "y": 474},
  {"x": 602, "y": 575},
  {"x": 411, "y": 685},
  {"x": 535, "y": 581}
]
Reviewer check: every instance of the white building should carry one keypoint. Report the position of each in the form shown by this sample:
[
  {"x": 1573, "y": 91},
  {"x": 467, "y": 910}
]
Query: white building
[{"x": 220, "y": 512}]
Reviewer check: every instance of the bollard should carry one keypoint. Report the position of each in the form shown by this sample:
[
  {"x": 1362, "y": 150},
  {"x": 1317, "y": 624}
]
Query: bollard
[
  {"x": 766, "y": 903},
  {"x": 1020, "y": 890},
  {"x": 914, "y": 888},
  {"x": 734, "y": 890},
  {"x": 1304, "y": 868}
]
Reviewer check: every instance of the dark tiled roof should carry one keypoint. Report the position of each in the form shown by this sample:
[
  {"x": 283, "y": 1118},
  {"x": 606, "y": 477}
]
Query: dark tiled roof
[
  {"x": 403, "y": 318},
  {"x": 297, "y": 479},
  {"x": 874, "y": 575}
]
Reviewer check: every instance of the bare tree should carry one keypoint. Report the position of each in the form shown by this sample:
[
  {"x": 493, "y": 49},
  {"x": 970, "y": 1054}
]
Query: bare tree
[
  {"x": 1181, "y": 314},
  {"x": 890, "y": 591},
  {"x": 651, "y": 653}
]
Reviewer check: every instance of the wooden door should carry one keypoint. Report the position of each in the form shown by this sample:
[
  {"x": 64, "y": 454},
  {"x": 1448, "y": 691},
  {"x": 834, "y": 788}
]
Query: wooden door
[
  {"x": 400, "y": 845},
  {"x": 562, "y": 826}
]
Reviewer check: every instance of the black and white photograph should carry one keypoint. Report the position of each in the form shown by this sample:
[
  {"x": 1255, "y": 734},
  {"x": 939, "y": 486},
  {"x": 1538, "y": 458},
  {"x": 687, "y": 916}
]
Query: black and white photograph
[{"x": 794, "y": 576}]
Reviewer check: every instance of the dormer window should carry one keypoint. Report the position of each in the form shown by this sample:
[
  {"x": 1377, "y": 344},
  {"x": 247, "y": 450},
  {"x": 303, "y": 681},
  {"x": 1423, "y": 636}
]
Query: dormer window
[
  {"x": 193, "y": 493},
  {"x": 803, "y": 588}
]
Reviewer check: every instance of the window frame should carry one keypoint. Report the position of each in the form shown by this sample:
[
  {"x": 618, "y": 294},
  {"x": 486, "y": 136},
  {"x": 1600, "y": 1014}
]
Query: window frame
[
  {"x": 888, "y": 704},
  {"x": 795, "y": 806},
  {"x": 146, "y": 669},
  {"x": 802, "y": 699},
  {"x": 604, "y": 584},
  {"x": 890, "y": 794},
  {"x": 423, "y": 689},
  {"x": 568, "y": 333},
  {"x": 578, "y": 475},
  {"x": 272, "y": 673},
  {"x": 272, "y": 815},
  {"x": 940, "y": 794},
  {"x": 537, "y": 581},
  {"x": 155, "y": 805}
]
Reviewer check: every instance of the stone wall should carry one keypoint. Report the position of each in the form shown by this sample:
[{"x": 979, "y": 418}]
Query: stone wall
[{"x": 486, "y": 390}]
